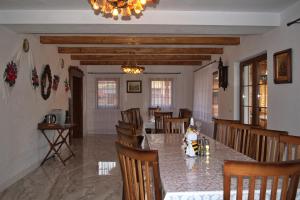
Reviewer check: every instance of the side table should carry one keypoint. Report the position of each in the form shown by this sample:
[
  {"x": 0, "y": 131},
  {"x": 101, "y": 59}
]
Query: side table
[{"x": 59, "y": 140}]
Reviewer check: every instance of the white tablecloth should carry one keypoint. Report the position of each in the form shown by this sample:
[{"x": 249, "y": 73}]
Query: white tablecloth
[{"x": 185, "y": 178}]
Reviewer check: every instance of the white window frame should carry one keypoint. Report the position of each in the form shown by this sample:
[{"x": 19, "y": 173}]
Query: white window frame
[
  {"x": 118, "y": 93},
  {"x": 172, "y": 92}
]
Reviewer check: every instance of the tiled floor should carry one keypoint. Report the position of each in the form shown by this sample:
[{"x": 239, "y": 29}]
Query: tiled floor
[{"x": 80, "y": 179}]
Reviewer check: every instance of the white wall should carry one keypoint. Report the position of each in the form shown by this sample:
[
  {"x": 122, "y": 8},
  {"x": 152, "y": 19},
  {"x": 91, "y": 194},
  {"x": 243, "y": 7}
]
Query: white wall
[
  {"x": 284, "y": 108},
  {"x": 103, "y": 121},
  {"x": 22, "y": 146}
]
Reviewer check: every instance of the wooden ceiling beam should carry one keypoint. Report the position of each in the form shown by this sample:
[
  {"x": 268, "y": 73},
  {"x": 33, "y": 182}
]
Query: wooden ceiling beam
[
  {"x": 137, "y": 51},
  {"x": 140, "y": 57},
  {"x": 141, "y": 62},
  {"x": 143, "y": 40}
]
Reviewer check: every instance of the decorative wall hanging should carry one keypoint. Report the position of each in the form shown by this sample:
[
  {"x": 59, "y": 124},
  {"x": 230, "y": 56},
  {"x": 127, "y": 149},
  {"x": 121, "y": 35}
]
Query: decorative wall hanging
[
  {"x": 35, "y": 78},
  {"x": 46, "y": 82},
  {"x": 134, "y": 86},
  {"x": 25, "y": 45},
  {"x": 55, "y": 82},
  {"x": 67, "y": 85},
  {"x": 283, "y": 66},
  {"x": 11, "y": 73},
  {"x": 223, "y": 75}
]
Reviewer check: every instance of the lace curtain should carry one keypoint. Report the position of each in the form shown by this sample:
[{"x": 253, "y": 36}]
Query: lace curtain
[{"x": 203, "y": 94}]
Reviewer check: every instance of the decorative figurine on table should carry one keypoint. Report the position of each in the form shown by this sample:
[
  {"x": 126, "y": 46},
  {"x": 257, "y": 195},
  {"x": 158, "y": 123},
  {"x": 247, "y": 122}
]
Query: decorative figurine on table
[{"x": 190, "y": 143}]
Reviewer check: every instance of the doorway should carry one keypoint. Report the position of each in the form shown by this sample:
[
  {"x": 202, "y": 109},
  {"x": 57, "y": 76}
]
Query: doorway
[{"x": 76, "y": 102}]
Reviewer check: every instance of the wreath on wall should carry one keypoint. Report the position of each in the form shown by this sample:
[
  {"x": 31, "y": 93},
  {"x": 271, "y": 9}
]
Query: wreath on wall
[
  {"x": 46, "y": 80},
  {"x": 11, "y": 73}
]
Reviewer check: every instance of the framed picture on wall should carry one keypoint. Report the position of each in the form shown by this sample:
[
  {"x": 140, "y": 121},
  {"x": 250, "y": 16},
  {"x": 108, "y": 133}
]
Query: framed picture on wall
[
  {"x": 134, "y": 86},
  {"x": 283, "y": 66}
]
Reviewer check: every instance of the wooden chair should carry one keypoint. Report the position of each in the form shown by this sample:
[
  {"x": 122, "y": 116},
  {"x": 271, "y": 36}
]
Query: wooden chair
[
  {"x": 159, "y": 120},
  {"x": 123, "y": 124},
  {"x": 127, "y": 131},
  {"x": 253, "y": 172},
  {"x": 127, "y": 116},
  {"x": 289, "y": 147},
  {"x": 133, "y": 116},
  {"x": 264, "y": 144},
  {"x": 175, "y": 125},
  {"x": 140, "y": 173},
  {"x": 238, "y": 137},
  {"x": 185, "y": 113},
  {"x": 152, "y": 110},
  {"x": 221, "y": 129},
  {"x": 137, "y": 118},
  {"x": 130, "y": 126}
]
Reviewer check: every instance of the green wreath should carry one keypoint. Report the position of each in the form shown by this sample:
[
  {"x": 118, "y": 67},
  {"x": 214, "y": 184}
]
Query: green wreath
[{"x": 46, "y": 76}]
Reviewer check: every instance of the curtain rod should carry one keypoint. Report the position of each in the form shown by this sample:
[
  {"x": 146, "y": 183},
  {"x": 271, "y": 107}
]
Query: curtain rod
[
  {"x": 143, "y": 73},
  {"x": 296, "y": 21},
  {"x": 203, "y": 66}
]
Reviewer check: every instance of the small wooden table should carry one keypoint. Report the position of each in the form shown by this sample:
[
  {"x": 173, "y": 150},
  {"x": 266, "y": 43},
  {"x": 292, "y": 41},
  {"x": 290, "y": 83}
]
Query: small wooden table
[{"x": 60, "y": 129}]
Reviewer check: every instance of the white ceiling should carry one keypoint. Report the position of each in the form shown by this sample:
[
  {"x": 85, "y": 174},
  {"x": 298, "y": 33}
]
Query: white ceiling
[
  {"x": 201, "y": 17},
  {"x": 182, "y": 5}
]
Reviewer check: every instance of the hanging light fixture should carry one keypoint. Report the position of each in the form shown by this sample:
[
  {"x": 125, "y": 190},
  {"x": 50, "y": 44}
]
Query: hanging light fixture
[
  {"x": 115, "y": 7},
  {"x": 132, "y": 69}
]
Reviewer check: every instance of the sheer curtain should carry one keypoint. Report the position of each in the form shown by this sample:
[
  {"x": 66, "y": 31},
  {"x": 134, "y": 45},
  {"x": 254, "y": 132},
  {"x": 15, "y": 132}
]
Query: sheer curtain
[{"x": 202, "y": 108}]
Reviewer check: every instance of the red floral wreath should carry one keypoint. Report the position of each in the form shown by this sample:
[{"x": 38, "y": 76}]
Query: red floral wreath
[{"x": 10, "y": 73}]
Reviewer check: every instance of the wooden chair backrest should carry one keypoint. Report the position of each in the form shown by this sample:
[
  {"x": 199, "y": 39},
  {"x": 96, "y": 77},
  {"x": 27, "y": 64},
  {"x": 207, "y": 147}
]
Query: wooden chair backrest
[
  {"x": 133, "y": 116},
  {"x": 127, "y": 116},
  {"x": 238, "y": 138},
  {"x": 175, "y": 125},
  {"x": 185, "y": 113},
  {"x": 140, "y": 173},
  {"x": 254, "y": 171},
  {"x": 265, "y": 144},
  {"x": 134, "y": 141},
  {"x": 127, "y": 131},
  {"x": 152, "y": 110},
  {"x": 221, "y": 129},
  {"x": 123, "y": 124},
  {"x": 138, "y": 120},
  {"x": 289, "y": 147},
  {"x": 159, "y": 120}
]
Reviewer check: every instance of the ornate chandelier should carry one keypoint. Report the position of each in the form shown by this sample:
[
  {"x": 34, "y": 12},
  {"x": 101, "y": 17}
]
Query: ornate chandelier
[
  {"x": 115, "y": 7},
  {"x": 132, "y": 69}
]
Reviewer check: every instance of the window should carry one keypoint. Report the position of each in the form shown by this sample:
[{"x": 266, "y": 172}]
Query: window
[
  {"x": 254, "y": 91},
  {"x": 215, "y": 95},
  {"x": 161, "y": 93},
  {"x": 107, "y": 93}
]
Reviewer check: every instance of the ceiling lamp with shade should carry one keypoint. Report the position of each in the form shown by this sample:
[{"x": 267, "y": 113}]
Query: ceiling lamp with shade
[
  {"x": 114, "y": 8},
  {"x": 132, "y": 69}
]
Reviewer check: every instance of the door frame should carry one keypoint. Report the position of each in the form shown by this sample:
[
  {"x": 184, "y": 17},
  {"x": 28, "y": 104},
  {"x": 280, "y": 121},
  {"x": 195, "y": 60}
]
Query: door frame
[
  {"x": 255, "y": 62},
  {"x": 75, "y": 71}
]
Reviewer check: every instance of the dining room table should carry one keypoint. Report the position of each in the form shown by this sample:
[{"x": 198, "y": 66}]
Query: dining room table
[{"x": 193, "y": 178}]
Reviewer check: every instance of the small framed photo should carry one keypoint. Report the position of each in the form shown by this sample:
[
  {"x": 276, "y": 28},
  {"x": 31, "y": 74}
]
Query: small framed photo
[
  {"x": 134, "y": 86},
  {"x": 283, "y": 66}
]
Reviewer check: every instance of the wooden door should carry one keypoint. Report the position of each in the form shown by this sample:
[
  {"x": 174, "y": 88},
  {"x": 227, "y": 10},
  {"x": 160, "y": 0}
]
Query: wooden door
[
  {"x": 76, "y": 102},
  {"x": 254, "y": 91}
]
